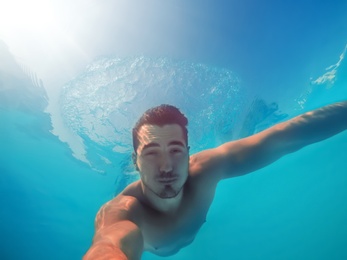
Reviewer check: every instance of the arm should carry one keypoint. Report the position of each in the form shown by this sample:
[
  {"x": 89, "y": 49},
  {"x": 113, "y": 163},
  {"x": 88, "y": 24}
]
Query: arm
[
  {"x": 116, "y": 236},
  {"x": 249, "y": 154}
]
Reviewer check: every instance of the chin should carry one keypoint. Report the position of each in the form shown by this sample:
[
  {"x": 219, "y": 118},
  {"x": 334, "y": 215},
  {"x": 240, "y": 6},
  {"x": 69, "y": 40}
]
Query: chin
[{"x": 170, "y": 192}]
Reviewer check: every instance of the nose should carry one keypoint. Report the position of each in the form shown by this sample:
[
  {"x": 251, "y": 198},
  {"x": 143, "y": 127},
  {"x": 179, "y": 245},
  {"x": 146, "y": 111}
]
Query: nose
[{"x": 165, "y": 165}]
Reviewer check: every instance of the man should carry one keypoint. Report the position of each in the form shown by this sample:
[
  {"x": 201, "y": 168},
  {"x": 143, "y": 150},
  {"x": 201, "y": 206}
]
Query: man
[{"x": 163, "y": 211}]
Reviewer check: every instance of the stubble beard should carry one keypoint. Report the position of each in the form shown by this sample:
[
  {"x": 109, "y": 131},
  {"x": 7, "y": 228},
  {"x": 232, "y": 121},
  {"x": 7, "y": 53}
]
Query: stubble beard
[{"x": 168, "y": 192}]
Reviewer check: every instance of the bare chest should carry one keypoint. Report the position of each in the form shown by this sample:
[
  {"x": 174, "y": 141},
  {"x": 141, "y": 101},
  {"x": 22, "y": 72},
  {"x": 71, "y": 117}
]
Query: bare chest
[{"x": 166, "y": 234}]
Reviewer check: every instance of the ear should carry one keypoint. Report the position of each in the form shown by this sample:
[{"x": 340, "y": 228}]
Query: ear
[{"x": 134, "y": 158}]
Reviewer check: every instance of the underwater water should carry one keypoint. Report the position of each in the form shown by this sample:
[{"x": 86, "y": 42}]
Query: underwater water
[{"x": 50, "y": 191}]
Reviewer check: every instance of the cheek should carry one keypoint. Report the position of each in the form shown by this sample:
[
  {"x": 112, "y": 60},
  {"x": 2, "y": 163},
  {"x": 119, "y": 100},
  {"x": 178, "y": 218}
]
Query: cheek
[
  {"x": 145, "y": 166},
  {"x": 183, "y": 163}
]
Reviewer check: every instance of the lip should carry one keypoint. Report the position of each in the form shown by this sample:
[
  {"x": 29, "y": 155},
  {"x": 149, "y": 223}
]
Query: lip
[{"x": 167, "y": 180}]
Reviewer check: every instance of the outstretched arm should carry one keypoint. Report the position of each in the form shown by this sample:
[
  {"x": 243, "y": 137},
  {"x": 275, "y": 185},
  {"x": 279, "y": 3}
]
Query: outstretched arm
[
  {"x": 116, "y": 236},
  {"x": 249, "y": 154},
  {"x": 120, "y": 241}
]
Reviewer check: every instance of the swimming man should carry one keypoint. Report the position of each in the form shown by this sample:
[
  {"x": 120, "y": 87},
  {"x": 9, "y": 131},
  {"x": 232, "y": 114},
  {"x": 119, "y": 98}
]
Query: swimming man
[{"x": 163, "y": 211}]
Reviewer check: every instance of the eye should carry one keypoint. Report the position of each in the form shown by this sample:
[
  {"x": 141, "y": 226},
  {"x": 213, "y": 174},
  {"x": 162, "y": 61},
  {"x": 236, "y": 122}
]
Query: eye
[
  {"x": 176, "y": 151},
  {"x": 151, "y": 153}
]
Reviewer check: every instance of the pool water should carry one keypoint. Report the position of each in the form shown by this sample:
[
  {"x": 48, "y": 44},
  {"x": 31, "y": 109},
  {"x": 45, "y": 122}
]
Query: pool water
[{"x": 50, "y": 192}]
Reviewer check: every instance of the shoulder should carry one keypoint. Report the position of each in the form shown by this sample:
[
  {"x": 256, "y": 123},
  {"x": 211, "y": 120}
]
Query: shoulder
[
  {"x": 205, "y": 169},
  {"x": 204, "y": 162},
  {"x": 123, "y": 207}
]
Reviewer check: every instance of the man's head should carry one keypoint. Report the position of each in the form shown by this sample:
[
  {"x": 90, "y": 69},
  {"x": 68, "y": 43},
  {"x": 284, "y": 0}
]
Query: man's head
[
  {"x": 161, "y": 153},
  {"x": 160, "y": 116}
]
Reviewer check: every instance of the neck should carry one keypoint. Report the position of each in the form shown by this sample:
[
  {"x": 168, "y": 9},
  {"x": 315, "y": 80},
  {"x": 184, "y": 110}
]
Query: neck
[{"x": 167, "y": 205}]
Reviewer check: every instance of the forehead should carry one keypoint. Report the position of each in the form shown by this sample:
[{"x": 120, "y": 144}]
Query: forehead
[{"x": 159, "y": 134}]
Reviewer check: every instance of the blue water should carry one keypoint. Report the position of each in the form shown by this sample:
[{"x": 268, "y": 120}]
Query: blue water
[
  {"x": 293, "y": 209},
  {"x": 234, "y": 69}
]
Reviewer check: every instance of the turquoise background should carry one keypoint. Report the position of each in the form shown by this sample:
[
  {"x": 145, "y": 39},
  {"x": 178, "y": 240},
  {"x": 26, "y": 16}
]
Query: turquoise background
[{"x": 230, "y": 60}]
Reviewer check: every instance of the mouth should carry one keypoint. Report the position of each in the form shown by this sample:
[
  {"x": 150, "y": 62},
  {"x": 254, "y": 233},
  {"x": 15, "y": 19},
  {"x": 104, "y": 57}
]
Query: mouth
[{"x": 167, "y": 180}]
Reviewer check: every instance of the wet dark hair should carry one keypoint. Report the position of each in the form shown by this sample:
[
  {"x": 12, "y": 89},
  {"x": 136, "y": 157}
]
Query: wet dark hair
[{"x": 160, "y": 116}]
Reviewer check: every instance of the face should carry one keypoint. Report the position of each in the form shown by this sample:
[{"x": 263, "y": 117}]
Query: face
[{"x": 162, "y": 159}]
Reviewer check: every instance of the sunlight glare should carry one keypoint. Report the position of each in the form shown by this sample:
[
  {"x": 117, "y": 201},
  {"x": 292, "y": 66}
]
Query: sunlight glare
[{"x": 35, "y": 17}]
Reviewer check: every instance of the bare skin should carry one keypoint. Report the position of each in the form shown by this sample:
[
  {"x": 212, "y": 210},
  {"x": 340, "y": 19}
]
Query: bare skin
[{"x": 164, "y": 210}]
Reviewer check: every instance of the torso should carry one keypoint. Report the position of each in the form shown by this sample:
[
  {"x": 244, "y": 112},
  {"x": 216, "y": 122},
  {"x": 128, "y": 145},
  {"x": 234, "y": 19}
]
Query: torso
[{"x": 165, "y": 234}]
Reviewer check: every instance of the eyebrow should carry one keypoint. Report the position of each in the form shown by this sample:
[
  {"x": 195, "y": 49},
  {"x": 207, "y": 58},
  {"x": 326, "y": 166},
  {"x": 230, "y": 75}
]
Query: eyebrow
[
  {"x": 150, "y": 145},
  {"x": 153, "y": 144},
  {"x": 177, "y": 143}
]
